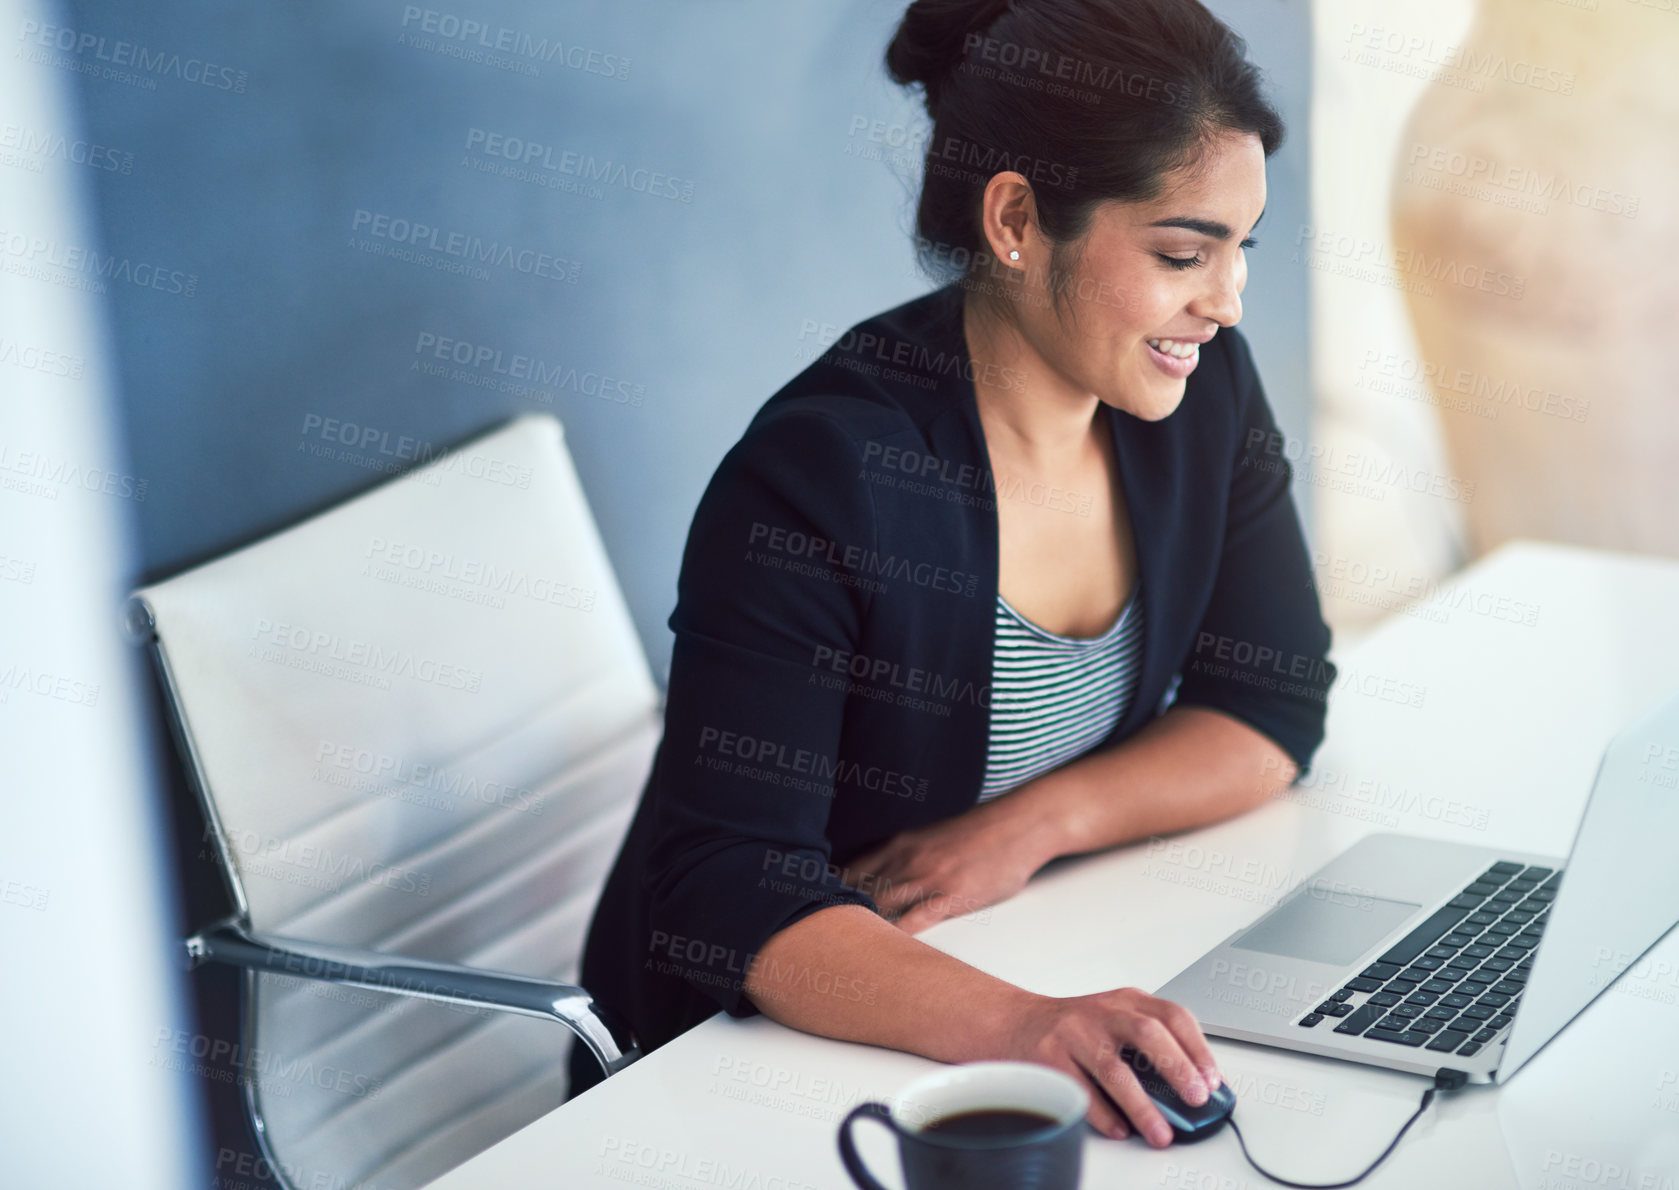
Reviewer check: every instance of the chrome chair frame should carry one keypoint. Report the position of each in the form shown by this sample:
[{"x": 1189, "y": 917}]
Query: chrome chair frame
[{"x": 229, "y": 941}]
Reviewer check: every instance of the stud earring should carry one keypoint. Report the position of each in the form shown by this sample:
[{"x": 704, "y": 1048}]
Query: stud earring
[{"x": 1014, "y": 254}]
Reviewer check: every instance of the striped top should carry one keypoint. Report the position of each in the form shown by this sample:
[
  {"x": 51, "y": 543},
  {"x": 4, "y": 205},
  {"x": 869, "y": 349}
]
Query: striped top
[{"x": 1055, "y": 697}]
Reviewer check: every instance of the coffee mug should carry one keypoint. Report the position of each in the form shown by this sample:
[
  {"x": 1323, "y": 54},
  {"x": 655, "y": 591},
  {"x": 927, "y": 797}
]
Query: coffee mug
[{"x": 980, "y": 1126}]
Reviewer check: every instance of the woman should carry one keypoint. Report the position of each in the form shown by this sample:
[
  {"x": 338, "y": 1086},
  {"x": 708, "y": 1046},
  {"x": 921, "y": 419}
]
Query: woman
[{"x": 1011, "y": 572}]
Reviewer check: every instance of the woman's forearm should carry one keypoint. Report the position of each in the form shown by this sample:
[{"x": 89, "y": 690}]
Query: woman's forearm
[
  {"x": 1189, "y": 767},
  {"x": 846, "y": 972},
  {"x": 922, "y": 1001}
]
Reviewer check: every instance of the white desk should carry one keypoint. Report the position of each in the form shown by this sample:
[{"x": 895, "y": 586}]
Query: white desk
[{"x": 1502, "y": 749}]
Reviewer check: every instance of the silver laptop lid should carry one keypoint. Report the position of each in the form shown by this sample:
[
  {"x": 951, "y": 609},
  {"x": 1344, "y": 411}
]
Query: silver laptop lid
[{"x": 1620, "y": 890}]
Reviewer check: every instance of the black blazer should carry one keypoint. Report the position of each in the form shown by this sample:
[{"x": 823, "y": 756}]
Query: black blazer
[{"x": 830, "y": 677}]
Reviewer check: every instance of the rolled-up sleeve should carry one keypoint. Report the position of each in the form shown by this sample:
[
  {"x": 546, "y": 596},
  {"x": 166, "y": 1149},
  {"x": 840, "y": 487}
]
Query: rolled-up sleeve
[
  {"x": 770, "y": 577},
  {"x": 1261, "y": 652}
]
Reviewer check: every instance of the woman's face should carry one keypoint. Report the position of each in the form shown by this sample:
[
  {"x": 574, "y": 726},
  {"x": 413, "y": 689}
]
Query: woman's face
[{"x": 1153, "y": 281}]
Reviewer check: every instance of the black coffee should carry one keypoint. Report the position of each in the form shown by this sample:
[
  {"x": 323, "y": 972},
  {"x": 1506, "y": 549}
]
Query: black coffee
[{"x": 991, "y": 1122}]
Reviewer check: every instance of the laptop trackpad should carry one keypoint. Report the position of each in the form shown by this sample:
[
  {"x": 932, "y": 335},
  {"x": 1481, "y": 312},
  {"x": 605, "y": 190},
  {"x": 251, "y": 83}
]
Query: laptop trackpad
[{"x": 1325, "y": 927}]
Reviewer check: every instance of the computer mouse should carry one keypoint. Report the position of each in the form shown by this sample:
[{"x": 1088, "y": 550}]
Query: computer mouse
[{"x": 1189, "y": 1124}]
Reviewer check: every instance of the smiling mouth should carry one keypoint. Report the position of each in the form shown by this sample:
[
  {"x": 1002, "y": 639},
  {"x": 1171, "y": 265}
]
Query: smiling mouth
[
  {"x": 1175, "y": 348},
  {"x": 1174, "y": 357}
]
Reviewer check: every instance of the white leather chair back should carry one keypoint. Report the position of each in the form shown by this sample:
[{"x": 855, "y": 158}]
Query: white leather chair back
[{"x": 420, "y": 722}]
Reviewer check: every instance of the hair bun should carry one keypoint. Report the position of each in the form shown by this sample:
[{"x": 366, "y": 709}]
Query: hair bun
[{"x": 932, "y": 40}]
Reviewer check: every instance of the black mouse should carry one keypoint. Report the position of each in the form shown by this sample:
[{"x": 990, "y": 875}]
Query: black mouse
[{"x": 1189, "y": 1124}]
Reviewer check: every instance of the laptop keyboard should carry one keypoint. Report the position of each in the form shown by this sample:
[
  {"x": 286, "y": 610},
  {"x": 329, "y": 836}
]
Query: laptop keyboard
[{"x": 1452, "y": 984}]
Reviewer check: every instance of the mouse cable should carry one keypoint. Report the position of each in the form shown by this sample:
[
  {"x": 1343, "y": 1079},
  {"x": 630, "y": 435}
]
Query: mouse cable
[{"x": 1444, "y": 1080}]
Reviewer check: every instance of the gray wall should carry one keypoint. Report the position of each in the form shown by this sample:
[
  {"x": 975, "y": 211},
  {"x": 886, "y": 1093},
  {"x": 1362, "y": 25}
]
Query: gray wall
[
  {"x": 247, "y": 191},
  {"x": 1276, "y": 310}
]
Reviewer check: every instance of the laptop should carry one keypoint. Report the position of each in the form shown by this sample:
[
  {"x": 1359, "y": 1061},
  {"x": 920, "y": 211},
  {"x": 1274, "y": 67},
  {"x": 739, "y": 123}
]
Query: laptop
[{"x": 1420, "y": 954}]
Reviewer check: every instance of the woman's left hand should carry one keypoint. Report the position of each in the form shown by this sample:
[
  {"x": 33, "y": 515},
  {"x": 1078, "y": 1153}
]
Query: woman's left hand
[{"x": 957, "y": 866}]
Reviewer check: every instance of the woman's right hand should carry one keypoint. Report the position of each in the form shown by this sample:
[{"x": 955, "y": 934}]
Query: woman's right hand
[{"x": 1083, "y": 1036}]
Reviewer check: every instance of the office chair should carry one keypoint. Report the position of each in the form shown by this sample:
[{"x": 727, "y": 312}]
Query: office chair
[{"x": 418, "y": 724}]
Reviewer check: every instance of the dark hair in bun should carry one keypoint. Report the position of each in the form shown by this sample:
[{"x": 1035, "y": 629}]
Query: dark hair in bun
[
  {"x": 931, "y": 39},
  {"x": 1091, "y": 100}
]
